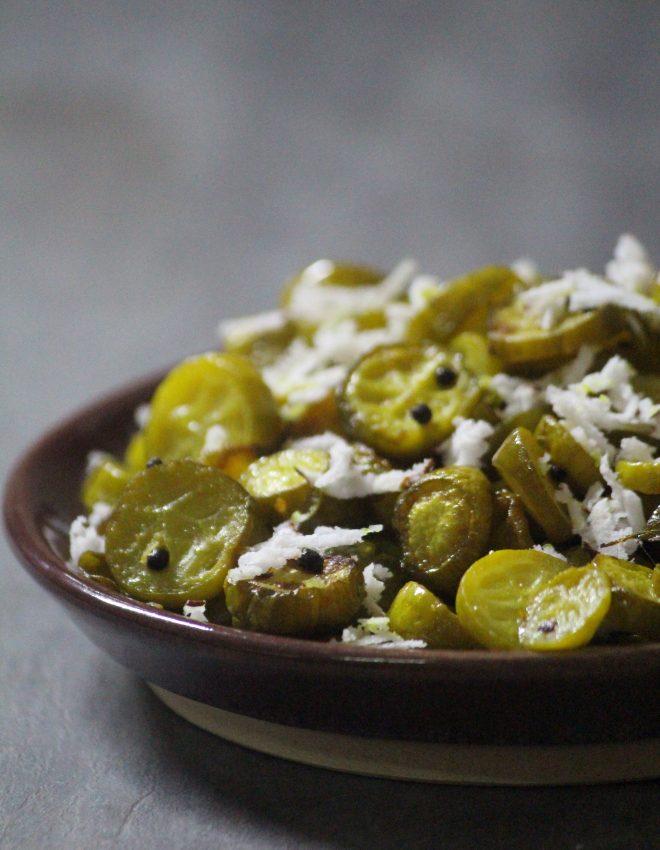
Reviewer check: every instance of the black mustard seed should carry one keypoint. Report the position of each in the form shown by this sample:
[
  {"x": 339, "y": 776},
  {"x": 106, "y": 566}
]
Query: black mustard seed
[
  {"x": 311, "y": 561},
  {"x": 421, "y": 413},
  {"x": 558, "y": 473},
  {"x": 153, "y": 461},
  {"x": 158, "y": 559},
  {"x": 445, "y": 377}
]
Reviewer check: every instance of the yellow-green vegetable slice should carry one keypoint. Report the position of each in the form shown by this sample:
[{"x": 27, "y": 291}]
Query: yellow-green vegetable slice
[
  {"x": 417, "y": 614},
  {"x": 279, "y": 482},
  {"x": 524, "y": 419},
  {"x": 291, "y": 600},
  {"x": 323, "y": 274},
  {"x": 104, "y": 482},
  {"x": 509, "y": 526},
  {"x": 518, "y": 460},
  {"x": 477, "y": 357},
  {"x": 200, "y": 518},
  {"x": 451, "y": 310},
  {"x": 444, "y": 523},
  {"x": 574, "y": 461},
  {"x": 520, "y": 341},
  {"x": 135, "y": 456},
  {"x": 330, "y": 273},
  {"x": 211, "y": 391},
  {"x": 394, "y": 400},
  {"x": 567, "y": 611},
  {"x": 635, "y": 604},
  {"x": 642, "y": 476},
  {"x": 495, "y": 591}
]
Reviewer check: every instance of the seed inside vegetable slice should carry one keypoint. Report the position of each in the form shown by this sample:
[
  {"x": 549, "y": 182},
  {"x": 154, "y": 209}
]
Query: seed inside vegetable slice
[{"x": 202, "y": 518}]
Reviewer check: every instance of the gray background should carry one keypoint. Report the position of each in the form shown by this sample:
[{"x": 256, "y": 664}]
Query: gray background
[{"x": 164, "y": 165}]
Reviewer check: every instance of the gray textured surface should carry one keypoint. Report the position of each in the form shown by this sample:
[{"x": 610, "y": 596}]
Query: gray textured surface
[{"x": 167, "y": 164}]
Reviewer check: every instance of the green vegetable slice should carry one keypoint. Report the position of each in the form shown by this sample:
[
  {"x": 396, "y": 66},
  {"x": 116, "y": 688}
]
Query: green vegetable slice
[
  {"x": 477, "y": 357},
  {"x": 444, "y": 523},
  {"x": 278, "y": 482},
  {"x": 291, "y": 600},
  {"x": 464, "y": 299},
  {"x": 642, "y": 476},
  {"x": 262, "y": 347},
  {"x": 509, "y": 527},
  {"x": 135, "y": 456},
  {"x": 105, "y": 482},
  {"x": 566, "y": 453},
  {"x": 394, "y": 401},
  {"x": 635, "y": 604},
  {"x": 518, "y": 460},
  {"x": 417, "y": 614},
  {"x": 323, "y": 274},
  {"x": 521, "y": 342},
  {"x": 200, "y": 518}
]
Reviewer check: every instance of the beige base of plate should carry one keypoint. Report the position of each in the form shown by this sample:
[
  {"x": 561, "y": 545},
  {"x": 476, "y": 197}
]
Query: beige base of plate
[{"x": 422, "y": 762}]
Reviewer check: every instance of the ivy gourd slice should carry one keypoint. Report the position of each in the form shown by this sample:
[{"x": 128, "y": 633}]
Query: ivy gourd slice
[
  {"x": 444, "y": 523},
  {"x": 417, "y": 614},
  {"x": 518, "y": 460},
  {"x": 217, "y": 391},
  {"x": 291, "y": 600},
  {"x": 278, "y": 483},
  {"x": 393, "y": 401},
  {"x": 635, "y": 604},
  {"x": 197, "y": 520}
]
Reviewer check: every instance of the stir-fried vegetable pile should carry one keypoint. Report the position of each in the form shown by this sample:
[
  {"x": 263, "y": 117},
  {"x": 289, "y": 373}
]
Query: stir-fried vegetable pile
[{"x": 394, "y": 460}]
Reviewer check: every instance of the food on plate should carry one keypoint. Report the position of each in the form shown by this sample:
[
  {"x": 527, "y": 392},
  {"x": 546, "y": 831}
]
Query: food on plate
[{"x": 397, "y": 461}]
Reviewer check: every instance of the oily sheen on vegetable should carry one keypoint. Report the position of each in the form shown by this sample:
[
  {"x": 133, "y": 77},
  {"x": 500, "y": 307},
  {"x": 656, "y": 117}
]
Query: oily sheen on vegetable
[{"x": 394, "y": 460}]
